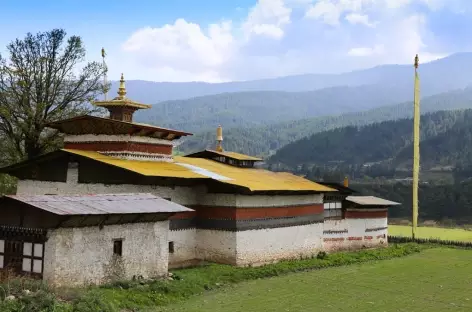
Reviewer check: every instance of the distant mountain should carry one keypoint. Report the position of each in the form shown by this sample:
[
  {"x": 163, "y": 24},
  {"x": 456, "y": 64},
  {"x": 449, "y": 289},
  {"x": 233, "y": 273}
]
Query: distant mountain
[
  {"x": 264, "y": 140},
  {"x": 446, "y": 141},
  {"x": 452, "y": 72},
  {"x": 249, "y": 109}
]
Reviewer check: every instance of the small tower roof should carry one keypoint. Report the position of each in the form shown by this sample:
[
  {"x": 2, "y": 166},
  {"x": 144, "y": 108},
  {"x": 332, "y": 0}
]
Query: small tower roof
[{"x": 121, "y": 100}]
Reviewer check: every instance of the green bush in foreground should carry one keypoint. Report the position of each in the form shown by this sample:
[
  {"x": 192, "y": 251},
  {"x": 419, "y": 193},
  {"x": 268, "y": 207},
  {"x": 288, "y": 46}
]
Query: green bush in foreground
[{"x": 136, "y": 295}]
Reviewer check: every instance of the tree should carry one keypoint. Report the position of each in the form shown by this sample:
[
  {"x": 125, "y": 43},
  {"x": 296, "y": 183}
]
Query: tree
[{"x": 40, "y": 82}]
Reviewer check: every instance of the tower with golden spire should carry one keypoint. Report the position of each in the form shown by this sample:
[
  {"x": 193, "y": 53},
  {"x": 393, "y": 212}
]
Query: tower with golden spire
[{"x": 121, "y": 108}]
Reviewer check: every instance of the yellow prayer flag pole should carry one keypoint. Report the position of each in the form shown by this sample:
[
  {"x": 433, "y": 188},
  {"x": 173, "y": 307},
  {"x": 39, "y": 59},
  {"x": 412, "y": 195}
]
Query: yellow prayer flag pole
[{"x": 416, "y": 148}]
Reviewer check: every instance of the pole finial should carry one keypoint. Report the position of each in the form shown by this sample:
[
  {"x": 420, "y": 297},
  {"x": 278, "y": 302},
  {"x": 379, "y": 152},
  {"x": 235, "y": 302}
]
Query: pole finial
[
  {"x": 219, "y": 139},
  {"x": 122, "y": 88},
  {"x": 417, "y": 61}
]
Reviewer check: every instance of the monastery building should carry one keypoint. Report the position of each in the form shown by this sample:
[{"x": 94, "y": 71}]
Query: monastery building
[{"x": 115, "y": 203}]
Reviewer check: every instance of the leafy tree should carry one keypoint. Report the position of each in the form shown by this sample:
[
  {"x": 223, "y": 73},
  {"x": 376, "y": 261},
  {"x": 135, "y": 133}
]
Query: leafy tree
[{"x": 42, "y": 81}]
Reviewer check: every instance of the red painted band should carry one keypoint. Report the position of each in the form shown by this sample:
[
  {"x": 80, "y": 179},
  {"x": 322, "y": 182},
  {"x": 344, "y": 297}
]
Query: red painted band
[
  {"x": 120, "y": 146},
  {"x": 209, "y": 212}
]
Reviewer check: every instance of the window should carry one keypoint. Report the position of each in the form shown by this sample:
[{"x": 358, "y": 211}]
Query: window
[
  {"x": 32, "y": 258},
  {"x": 171, "y": 247},
  {"x": 118, "y": 247},
  {"x": 333, "y": 210}
]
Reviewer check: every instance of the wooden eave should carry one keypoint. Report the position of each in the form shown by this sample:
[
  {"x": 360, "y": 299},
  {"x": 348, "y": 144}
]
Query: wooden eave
[{"x": 97, "y": 125}]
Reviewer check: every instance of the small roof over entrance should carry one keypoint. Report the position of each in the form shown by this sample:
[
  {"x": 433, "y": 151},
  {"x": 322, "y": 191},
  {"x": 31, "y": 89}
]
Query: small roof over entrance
[{"x": 100, "y": 204}]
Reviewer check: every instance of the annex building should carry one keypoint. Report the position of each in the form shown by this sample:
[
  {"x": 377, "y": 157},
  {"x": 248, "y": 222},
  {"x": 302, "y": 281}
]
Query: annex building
[{"x": 114, "y": 203}]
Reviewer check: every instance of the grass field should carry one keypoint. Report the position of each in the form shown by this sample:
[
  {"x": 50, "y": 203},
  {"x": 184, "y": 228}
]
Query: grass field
[
  {"x": 432, "y": 232},
  {"x": 433, "y": 280}
]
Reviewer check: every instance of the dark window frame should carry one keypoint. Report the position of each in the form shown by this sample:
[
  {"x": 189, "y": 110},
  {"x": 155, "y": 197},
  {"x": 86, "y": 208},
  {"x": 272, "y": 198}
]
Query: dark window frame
[{"x": 118, "y": 247}]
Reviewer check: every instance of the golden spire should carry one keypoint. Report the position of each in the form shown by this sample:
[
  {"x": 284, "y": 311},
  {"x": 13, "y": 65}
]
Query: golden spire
[
  {"x": 219, "y": 139},
  {"x": 346, "y": 182},
  {"x": 417, "y": 61},
  {"x": 122, "y": 88}
]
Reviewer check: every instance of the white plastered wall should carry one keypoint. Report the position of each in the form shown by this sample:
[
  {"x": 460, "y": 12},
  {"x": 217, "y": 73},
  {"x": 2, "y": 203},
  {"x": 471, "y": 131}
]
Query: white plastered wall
[
  {"x": 357, "y": 236},
  {"x": 81, "y": 256},
  {"x": 180, "y": 195},
  {"x": 216, "y": 246},
  {"x": 184, "y": 247},
  {"x": 257, "y": 247}
]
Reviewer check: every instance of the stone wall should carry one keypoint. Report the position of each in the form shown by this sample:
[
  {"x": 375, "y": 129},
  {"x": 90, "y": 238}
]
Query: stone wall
[{"x": 81, "y": 256}]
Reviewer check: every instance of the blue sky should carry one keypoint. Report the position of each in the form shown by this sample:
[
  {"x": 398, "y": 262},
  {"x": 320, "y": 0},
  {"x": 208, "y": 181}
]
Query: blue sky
[{"x": 209, "y": 40}]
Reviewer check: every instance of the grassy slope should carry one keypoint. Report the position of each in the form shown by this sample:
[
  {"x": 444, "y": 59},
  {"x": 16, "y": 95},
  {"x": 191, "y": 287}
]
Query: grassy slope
[
  {"x": 434, "y": 280},
  {"x": 432, "y": 232}
]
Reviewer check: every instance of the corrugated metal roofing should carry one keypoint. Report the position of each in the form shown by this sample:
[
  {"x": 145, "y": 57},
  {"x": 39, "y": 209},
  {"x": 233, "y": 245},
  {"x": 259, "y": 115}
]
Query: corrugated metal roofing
[
  {"x": 101, "y": 204},
  {"x": 193, "y": 168},
  {"x": 371, "y": 201}
]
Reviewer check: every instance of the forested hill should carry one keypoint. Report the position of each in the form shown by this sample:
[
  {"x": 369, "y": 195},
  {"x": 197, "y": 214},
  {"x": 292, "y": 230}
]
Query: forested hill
[
  {"x": 249, "y": 109},
  {"x": 264, "y": 140},
  {"x": 446, "y": 140}
]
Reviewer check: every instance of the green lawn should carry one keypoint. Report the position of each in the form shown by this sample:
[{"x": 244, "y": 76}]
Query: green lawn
[
  {"x": 432, "y": 232},
  {"x": 437, "y": 279}
]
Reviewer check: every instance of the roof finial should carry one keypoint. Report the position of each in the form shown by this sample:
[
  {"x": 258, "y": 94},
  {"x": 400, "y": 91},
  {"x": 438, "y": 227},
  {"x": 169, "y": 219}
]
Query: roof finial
[
  {"x": 417, "y": 61},
  {"x": 219, "y": 139},
  {"x": 346, "y": 181},
  {"x": 122, "y": 88}
]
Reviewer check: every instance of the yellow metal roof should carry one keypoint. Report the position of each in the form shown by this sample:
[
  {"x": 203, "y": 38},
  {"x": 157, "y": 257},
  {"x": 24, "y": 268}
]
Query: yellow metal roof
[
  {"x": 256, "y": 179},
  {"x": 147, "y": 168},
  {"x": 187, "y": 167}
]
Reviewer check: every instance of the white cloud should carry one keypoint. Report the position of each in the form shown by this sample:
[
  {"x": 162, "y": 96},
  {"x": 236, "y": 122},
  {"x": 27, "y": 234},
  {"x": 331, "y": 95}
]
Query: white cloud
[
  {"x": 284, "y": 37},
  {"x": 183, "y": 47},
  {"x": 365, "y": 51},
  {"x": 268, "y": 17},
  {"x": 356, "y": 18}
]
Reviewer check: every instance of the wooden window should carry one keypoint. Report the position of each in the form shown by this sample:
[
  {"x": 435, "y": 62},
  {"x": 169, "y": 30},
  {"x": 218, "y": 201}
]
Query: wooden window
[
  {"x": 333, "y": 210},
  {"x": 118, "y": 247},
  {"x": 171, "y": 247},
  {"x": 32, "y": 258}
]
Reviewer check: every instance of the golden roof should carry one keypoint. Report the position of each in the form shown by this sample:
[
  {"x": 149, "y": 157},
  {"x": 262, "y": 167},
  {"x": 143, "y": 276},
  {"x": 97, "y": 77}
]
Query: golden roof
[
  {"x": 200, "y": 168},
  {"x": 121, "y": 99}
]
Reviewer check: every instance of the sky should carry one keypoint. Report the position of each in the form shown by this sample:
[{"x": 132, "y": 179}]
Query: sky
[{"x": 233, "y": 40}]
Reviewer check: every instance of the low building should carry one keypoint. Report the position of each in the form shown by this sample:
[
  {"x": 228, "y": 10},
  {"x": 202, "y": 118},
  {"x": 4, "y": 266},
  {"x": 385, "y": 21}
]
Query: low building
[
  {"x": 86, "y": 239},
  {"x": 238, "y": 215},
  {"x": 354, "y": 222}
]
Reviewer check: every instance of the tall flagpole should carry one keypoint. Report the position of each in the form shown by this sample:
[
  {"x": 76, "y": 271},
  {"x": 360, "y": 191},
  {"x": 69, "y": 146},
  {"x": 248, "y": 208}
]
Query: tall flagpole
[
  {"x": 105, "y": 81},
  {"x": 416, "y": 148}
]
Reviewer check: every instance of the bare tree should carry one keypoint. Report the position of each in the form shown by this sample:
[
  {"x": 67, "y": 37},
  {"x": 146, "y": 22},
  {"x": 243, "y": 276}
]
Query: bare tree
[{"x": 42, "y": 81}]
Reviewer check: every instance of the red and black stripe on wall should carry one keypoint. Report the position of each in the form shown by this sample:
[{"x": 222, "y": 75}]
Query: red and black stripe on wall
[{"x": 241, "y": 219}]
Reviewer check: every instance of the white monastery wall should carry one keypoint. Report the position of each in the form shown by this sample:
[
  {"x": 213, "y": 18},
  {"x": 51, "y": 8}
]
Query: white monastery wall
[
  {"x": 180, "y": 195},
  {"x": 242, "y": 201},
  {"x": 357, "y": 235},
  {"x": 258, "y": 247},
  {"x": 185, "y": 244},
  {"x": 216, "y": 246},
  {"x": 78, "y": 256}
]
